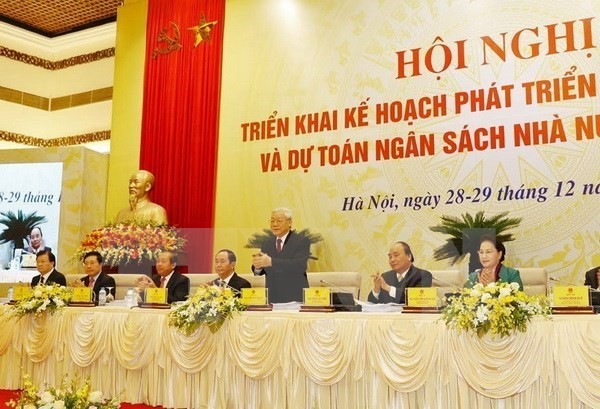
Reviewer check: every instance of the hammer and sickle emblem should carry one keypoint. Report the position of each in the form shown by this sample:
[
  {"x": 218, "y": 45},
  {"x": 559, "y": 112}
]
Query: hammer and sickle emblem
[{"x": 170, "y": 43}]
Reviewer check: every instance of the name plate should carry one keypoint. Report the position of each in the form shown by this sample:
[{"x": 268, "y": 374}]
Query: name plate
[
  {"x": 82, "y": 294},
  {"x": 421, "y": 297},
  {"x": 22, "y": 291},
  {"x": 317, "y": 296},
  {"x": 156, "y": 295},
  {"x": 571, "y": 296},
  {"x": 255, "y": 296},
  {"x": 28, "y": 260}
]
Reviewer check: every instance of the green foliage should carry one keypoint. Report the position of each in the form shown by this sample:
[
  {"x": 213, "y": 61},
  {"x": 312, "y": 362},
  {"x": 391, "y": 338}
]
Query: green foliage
[
  {"x": 466, "y": 232},
  {"x": 18, "y": 226},
  {"x": 257, "y": 239}
]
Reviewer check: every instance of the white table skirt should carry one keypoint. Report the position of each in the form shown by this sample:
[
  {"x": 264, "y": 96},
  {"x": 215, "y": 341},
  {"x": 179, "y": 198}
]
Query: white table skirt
[{"x": 308, "y": 360}]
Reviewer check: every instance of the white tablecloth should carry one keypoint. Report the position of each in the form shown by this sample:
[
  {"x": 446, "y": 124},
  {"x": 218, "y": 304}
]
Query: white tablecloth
[{"x": 309, "y": 360}]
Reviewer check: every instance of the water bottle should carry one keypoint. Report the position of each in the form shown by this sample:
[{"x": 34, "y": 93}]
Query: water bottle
[
  {"x": 130, "y": 298},
  {"x": 10, "y": 294},
  {"x": 102, "y": 297}
]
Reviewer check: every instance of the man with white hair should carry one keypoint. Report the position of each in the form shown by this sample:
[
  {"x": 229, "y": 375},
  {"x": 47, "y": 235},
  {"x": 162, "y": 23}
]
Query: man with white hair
[{"x": 283, "y": 259}]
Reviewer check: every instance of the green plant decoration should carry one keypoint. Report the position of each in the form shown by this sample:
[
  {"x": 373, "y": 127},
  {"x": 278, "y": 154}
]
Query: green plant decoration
[
  {"x": 466, "y": 232},
  {"x": 257, "y": 239},
  {"x": 18, "y": 226}
]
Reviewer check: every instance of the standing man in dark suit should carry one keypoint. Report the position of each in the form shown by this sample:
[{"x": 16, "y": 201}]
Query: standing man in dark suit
[
  {"x": 225, "y": 267},
  {"x": 45, "y": 265},
  {"x": 389, "y": 287},
  {"x": 95, "y": 277},
  {"x": 177, "y": 285},
  {"x": 283, "y": 259}
]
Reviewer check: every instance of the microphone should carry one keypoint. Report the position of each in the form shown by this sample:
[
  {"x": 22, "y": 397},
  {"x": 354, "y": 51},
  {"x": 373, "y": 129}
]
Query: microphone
[
  {"x": 573, "y": 284},
  {"x": 222, "y": 283},
  {"x": 346, "y": 290},
  {"x": 448, "y": 283}
]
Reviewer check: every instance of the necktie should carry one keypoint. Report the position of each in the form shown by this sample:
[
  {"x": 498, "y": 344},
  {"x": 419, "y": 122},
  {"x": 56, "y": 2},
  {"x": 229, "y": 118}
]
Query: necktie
[
  {"x": 279, "y": 243},
  {"x": 162, "y": 282},
  {"x": 41, "y": 279},
  {"x": 91, "y": 283}
]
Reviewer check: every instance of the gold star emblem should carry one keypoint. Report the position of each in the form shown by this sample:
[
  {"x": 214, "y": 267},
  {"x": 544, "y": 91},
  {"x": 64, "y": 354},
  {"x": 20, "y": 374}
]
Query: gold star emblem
[{"x": 202, "y": 30}]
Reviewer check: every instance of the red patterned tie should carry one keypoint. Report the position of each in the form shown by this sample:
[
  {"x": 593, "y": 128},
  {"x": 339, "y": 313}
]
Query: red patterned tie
[
  {"x": 91, "y": 283},
  {"x": 279, "y": 242},
  {"x": 162, "y": 282}
]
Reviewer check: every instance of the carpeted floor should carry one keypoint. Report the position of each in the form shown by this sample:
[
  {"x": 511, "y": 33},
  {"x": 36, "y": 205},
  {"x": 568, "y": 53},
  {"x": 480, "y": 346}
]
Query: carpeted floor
[{"x": 6, "y": 395}]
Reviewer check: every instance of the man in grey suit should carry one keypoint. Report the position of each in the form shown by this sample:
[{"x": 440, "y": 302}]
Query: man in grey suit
[{"x": 390, "y": 286}]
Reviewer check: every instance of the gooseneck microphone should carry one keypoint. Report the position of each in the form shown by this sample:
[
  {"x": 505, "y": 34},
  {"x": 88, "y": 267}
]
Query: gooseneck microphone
[
  {"x": 573, "y": 284},
  {"x": 222, "y": 283},
  {"x": 459, "y": 289},
  {"x": 346, "y": 290}
]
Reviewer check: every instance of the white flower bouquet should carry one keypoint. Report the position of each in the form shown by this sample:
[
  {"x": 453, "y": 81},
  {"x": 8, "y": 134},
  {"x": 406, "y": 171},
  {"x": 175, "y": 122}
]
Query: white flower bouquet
[
  {"x": 41, "y": 299},
  {"x": 210, "y": 306},
  {"x": 499, "y": 308},
  {"x": 68, "y": 395}
]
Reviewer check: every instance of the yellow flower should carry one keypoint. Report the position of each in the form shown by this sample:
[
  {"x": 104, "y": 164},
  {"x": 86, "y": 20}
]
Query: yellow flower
[{"x": 498, "y": 308}]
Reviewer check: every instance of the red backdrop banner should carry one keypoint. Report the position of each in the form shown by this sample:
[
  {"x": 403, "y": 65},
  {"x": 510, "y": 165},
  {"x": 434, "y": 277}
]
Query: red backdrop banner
[{"x": 184, "y": 45}]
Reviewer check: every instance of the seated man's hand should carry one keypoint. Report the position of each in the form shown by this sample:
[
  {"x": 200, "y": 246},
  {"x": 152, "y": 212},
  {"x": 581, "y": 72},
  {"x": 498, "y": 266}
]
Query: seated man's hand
[
  {"x": 145, "y": 282},
  {"x": 261, "y": 260},
  {"x": 76, "y": 283},
  {"x": 379, "y": 283},
  {"x": 376, "y": 282}
]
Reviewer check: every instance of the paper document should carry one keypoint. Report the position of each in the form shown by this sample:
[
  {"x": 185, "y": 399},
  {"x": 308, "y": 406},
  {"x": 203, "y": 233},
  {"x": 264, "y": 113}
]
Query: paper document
[{"x": 370, "y": 307}]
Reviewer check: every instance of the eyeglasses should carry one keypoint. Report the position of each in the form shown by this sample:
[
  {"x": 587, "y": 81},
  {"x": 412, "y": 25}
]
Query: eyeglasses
[
  {"x": 486, "y": 252},
  {"x": 278, "y": 221}
]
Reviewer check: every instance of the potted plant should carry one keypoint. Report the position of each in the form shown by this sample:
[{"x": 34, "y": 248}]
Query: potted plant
[
  {"x": 18, "y": 226},
  {"x": 465, "y": 233}
]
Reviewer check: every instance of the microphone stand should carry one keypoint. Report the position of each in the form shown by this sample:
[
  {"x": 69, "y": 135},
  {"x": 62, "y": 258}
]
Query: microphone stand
[
  {"x": 447, "y": 296},
  {"x": 595, "y": 290},
  {"x": 341, "y": 306}
]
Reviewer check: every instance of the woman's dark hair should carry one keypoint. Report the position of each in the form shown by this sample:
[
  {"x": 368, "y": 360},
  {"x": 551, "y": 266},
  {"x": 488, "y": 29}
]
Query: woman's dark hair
[{"x": 497, "y": 244}]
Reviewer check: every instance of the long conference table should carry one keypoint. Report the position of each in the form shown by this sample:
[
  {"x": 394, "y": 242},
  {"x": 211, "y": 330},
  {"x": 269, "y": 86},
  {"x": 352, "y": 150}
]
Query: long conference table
[{"x": 286, "y": 359}]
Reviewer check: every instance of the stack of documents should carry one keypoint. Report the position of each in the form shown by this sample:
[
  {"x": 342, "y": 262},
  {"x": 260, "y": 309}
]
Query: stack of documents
[{"x": 370, "y": 307}]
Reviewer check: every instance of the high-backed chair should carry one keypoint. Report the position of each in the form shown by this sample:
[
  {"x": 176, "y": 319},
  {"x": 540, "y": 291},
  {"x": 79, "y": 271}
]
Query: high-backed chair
[
  {"x": 535, "y": 280},
  {"x": 123, "y": 282},
  {"x": 198, "y": 280},
  {"x": 448, "y": 281},
  {"x": 337, "y": 281}
]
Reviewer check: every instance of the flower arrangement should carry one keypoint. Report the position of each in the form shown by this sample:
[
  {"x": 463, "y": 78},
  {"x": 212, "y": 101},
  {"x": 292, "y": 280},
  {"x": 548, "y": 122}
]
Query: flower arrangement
[
  {"x": 42, "y": 298},
  {"x": 497, "y": 307},
  {"x": 210, "y": 306},
  {"x": 130, "y": 242},
  {"x": 69, "y": 395}
]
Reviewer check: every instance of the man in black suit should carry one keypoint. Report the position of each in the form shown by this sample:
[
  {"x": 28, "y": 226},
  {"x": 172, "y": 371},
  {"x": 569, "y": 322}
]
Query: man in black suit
[
  {"x": 95, "y": 277},
  {"x": 283, "y": 259},
  {"x": 177, "y": 285},
  {"x": 389, "y": 287},
  {"x": 225, "y": 267},
  {"x": 45, "y": 265},
  {"x": 592, "y": 278}
]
